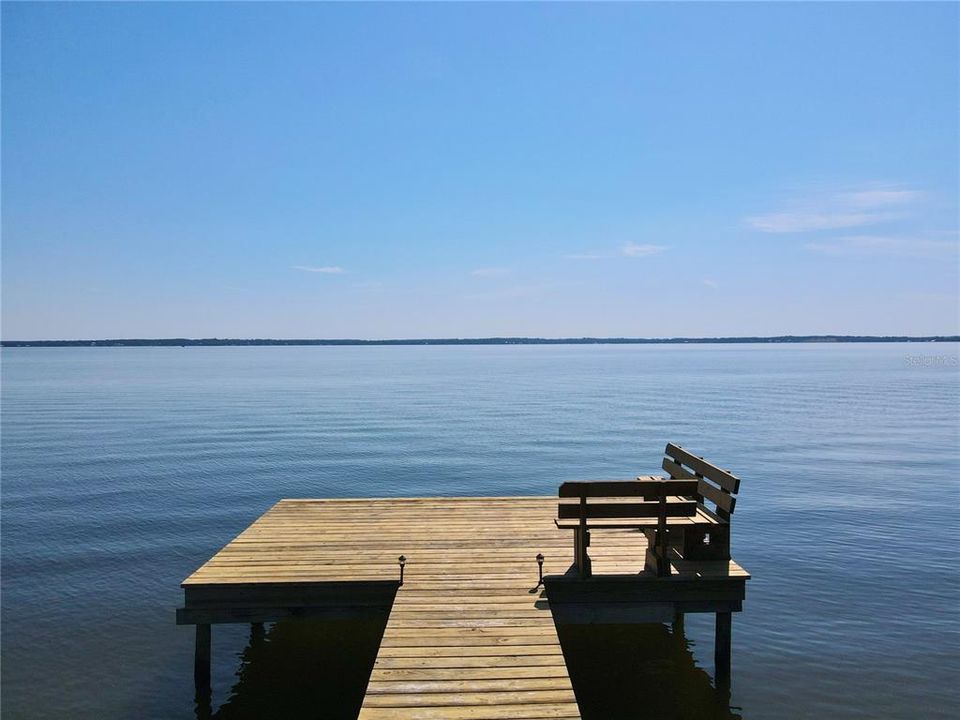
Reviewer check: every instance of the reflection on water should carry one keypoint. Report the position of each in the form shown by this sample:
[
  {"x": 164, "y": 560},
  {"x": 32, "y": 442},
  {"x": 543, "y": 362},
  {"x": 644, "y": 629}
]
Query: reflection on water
[
  {"x": 639, "y": 672},
  {"x": 319, "y": 669},
  {"x": 303, "y": 669}
]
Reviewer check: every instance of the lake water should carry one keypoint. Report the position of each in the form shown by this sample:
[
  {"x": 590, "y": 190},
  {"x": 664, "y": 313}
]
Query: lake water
[{"x": 123, "y": 469}]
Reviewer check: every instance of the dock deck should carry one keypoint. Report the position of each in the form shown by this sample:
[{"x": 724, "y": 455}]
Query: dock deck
[{"x": 470, "y": 633}]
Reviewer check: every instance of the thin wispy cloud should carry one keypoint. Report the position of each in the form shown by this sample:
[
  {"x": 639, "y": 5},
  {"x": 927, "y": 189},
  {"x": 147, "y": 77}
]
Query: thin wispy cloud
[
  {"x": 629, "y": 249},
  {"x": 632, "y": 249},
  {"x": 588, "y": 256},
  {"x": 711, "y": 284},
  {"x": 515, "y": 292},
  {"x": 325, "y": 269},
  {"x": 880, "y": 198},
  {"x": 839, "y": 211},
  {"x": 812, "y": 221},
  {"x": 490, "y": 272},
  {"x": 867, "y": 245}
]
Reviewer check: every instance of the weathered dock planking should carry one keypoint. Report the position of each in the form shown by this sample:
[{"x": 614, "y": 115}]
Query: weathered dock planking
[{"x": 470, "y": 633}]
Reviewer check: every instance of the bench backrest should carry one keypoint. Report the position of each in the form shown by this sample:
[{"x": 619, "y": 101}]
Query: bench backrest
[
  {"x": 648, "y": 490},
  {"x": 717, "y": 486}
]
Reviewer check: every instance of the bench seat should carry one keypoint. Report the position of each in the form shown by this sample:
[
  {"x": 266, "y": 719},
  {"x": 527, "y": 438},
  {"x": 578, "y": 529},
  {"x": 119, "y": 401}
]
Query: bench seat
[{"x": 703, "y": 517}]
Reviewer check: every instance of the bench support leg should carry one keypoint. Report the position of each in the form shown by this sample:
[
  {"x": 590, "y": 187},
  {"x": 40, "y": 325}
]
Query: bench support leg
[
  {"x": 201, "y": 661},
  {"x": 721, "y": 649},
  {"x": 581, "y": 540},
  {"x": 657, "y": 560}
]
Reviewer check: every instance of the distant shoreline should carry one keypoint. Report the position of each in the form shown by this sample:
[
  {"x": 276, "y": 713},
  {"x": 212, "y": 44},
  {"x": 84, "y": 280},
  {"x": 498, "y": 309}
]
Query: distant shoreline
[{"x": 260, "y": 342}]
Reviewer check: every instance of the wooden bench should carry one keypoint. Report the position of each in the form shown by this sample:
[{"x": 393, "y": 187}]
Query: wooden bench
[
  {"x": 672, "y": 512},
  {"x": 708, "y": 538},
  {"x": 661, "y": 501}
]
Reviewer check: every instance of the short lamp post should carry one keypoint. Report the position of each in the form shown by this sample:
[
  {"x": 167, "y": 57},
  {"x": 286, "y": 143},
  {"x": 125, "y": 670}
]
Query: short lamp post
[
  {"x": 540, "y": 568},
  {"x": 403, "y": 561}
]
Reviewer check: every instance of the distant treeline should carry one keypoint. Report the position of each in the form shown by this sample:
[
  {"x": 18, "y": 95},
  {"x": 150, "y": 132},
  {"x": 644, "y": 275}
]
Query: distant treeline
[{"x": 215, "y": 342}]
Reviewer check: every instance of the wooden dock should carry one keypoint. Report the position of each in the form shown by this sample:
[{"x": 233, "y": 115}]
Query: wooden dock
[{"x": 471, "y": 632}]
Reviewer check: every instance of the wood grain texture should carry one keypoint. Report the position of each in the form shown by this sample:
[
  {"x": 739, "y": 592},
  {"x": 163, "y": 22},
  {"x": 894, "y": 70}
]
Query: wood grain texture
[
  {"x": 724, "y": 478},
  {"x": 470, "y": 634}
]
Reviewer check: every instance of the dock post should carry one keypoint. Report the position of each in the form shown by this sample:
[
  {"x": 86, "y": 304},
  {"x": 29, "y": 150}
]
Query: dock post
[
  {"x": 721, "y": 649},
  {"x": 677, "y": 625},
  {"x": 201, "y": 661},
  {"x": 257, "y": 633}
]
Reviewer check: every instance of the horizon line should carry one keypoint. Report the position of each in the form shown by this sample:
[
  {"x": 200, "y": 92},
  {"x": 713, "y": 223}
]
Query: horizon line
[{"x": 493, "y": 340}]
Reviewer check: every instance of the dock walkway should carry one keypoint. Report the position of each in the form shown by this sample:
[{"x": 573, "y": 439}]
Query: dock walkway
[{"x": 470, "y": 633}]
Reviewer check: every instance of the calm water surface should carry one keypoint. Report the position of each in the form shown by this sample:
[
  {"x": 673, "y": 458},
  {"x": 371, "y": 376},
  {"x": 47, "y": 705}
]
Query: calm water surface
[{"x": 124, "y": 469}]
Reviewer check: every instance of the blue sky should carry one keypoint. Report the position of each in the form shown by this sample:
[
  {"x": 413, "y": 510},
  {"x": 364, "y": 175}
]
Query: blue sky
[{"x": 365, "y": 170}]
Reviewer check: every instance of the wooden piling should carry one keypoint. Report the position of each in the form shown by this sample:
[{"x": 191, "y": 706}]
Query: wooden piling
[
  {"x": 721, "y": 649},
  {"x": 257, "y": 633},
  {"x": 677, "y": 625},
  {"x": 201, "y": 661}
]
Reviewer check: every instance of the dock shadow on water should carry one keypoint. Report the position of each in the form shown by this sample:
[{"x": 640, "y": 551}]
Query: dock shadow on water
[
  {"x": 639, "y": 672},
  {"x": 301, "y": 668}
]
